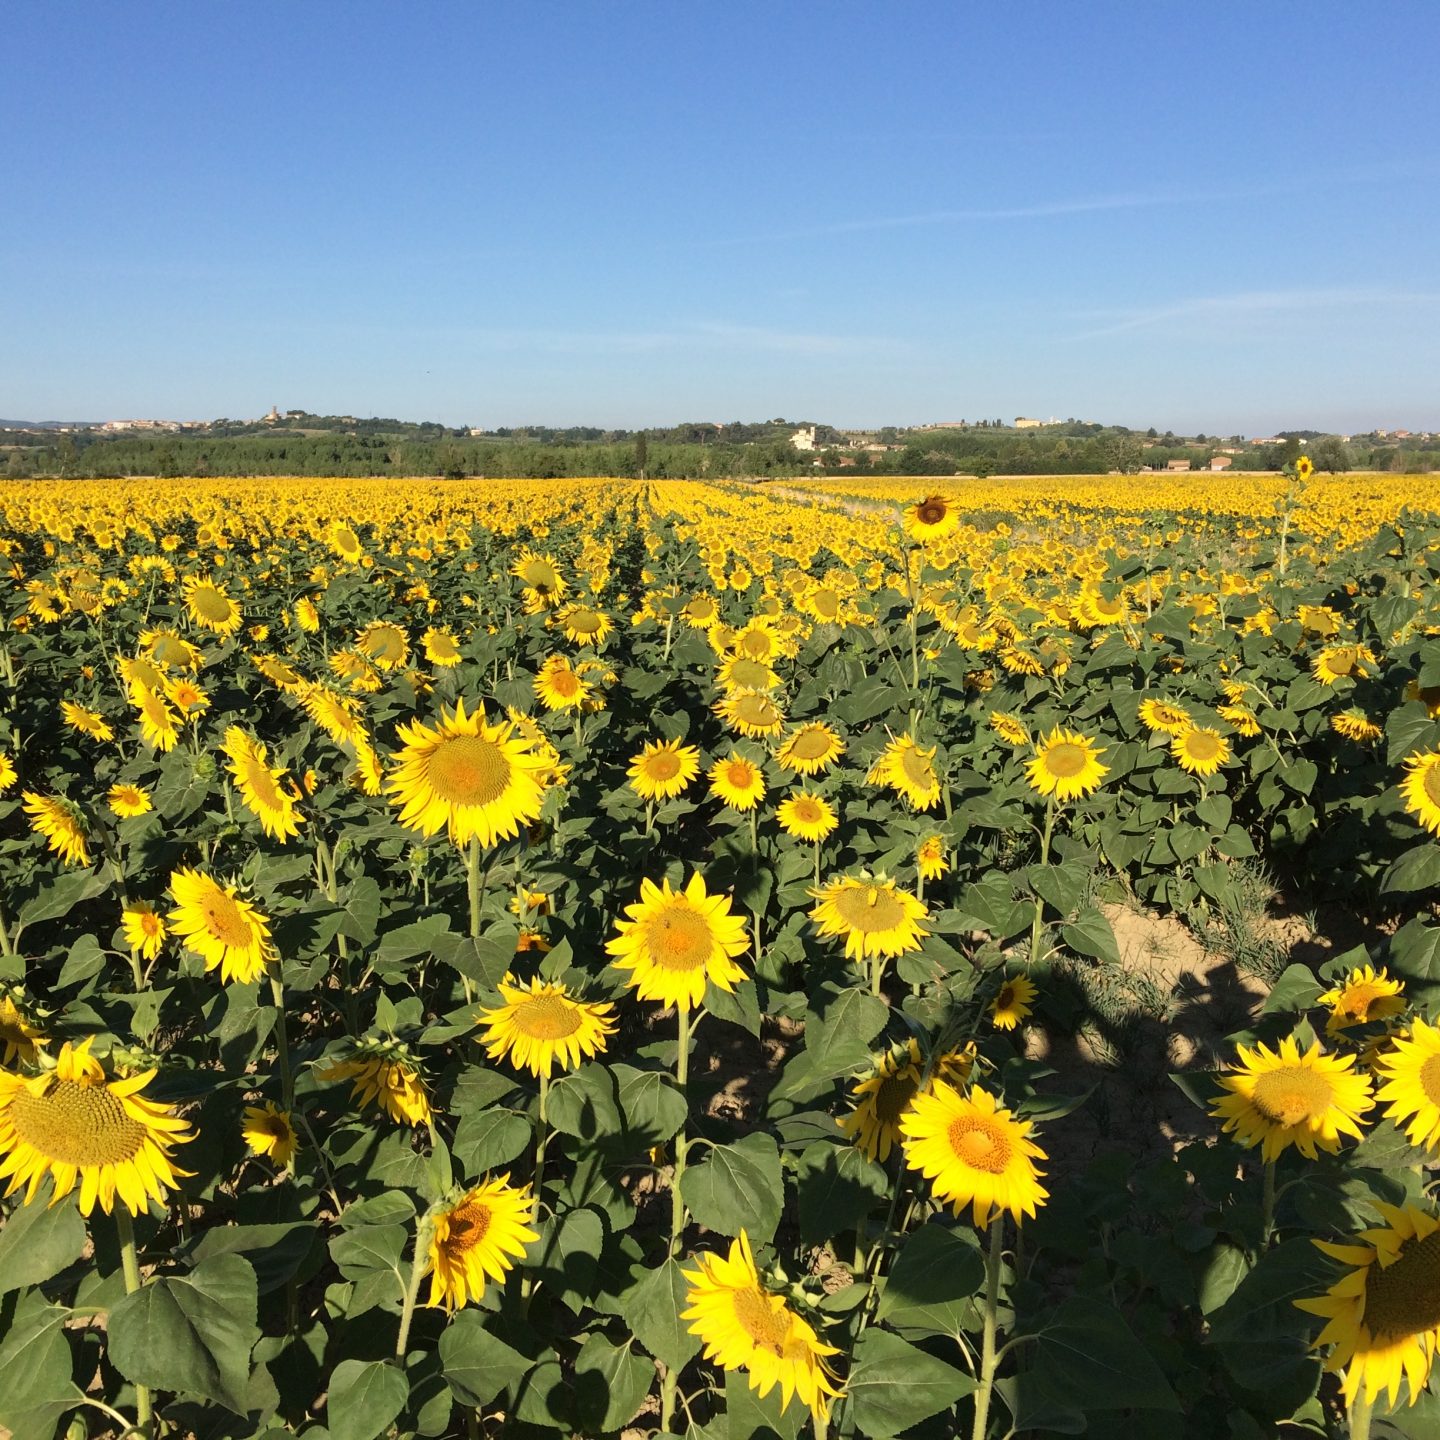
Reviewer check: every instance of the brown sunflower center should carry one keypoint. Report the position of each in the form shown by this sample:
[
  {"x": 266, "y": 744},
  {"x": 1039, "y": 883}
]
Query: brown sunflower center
[
  {"x": 893, "y": 1097},
  {"x": 1109, "y": 609},
  {"x": 916, "y": 767},
  {"x": 756, "y": 644},
  {"x": 807, "y": 811},
  {"x": 226, "y": 922},
  {"x": 77, "y": 1124},
  {"x": 468, "y": 770},
  {"x": 679, "y": 938},
  {"x": 1404, "y": 1298},
  {"x": 662, "y": 765},
  {"x": 564, "y": 683},
  {"x": 811, "y": 743},
  {"x": 826, "y": 603},
  {"x": 931, "y": 511},
  {"x": 870, "y": 908},
  {"x": 210, "y": 604},
  {"x": 1291, "y": 1094},
  {"x": 1358, "y": 999},
  {"x": 469, "y": 1224},
  {"x": 1202, "y": 745},
  {"x": 980, "y": 1143},
  {"x": 1431, "y": 782},
  {"x": 1430, "y": 1079},
  {"x": 547, "y": 1017},
  {"x": 764, "y": 1324},
  {"x": 1064, "y": 759},
  {"x": 739, "y": 774},
  {"x": 1006, "y": 998},
  {"x": 752, "y": 674},
  {"x": 1341, "y": 661},
  {"x": 756, "y": 710},
  {"x": 385, "y": 642},
  {"x": 583, "y": 622}
]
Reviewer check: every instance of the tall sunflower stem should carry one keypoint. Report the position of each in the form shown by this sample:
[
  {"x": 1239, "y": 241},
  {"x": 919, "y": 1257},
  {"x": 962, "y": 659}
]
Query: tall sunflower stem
[
  {"x": 419, "y": 1264},
  {"x": 670, "y": 1383},
  {"x": 473, "y": 885},
  {"x": 986, "y": 1386},
  {"x": 130, "y": 1264},
  {"x": 1038, "y": 924},
  {"x": 282, "y": 1039},
  {"x": 1359, "y": 1418},
  {"x": 1267, "y": 1206}
]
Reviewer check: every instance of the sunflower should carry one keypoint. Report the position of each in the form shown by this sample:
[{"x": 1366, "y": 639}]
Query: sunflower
[
  {"x": 145, "y": 931},
  {"x": 1304, "y": 468},
  {"x": 1010, "y": 728},
  {"x": 157, "y": 720},
  {"x": 386, "y": 1080},
  {"x": 468, "y": 776},
  {"x": 1066, "y": 765},
  {"x": 1162, "y": 716},
  {"x": 8, "y": 772},
  {"x": 810, "y": 749},
  {"x": 1281, "y": 1098},
  {"x": 260, "y": 786},
  {"x": 973, "y": 1152},
  {"x": 932, "y": 518},
  {"x": 1356, "y": 725},
  {"x": 1420, "y": 789},
  {"x": 62, "y": 825},
  {"x": 874, "y": 915},
  {"x": 385, "y": 644},
  {"x": 86, "y": 722},
  {"x": 879, "y": 1099},
  {"x": 186, "y": 695},
  {"x": 73, "y": 1124},
  {"x": 167, "y": 647},
  {"x": 478, "y": 1239},
  {"x": 1012, "y": 1002},
  {"x": 559, "y": 687},
  {"x": 584, "y": 624},
  {"x": 127, "y": 801},
  {"x": 343, "y": 540},
  {"x": 1361, "y": 997},
  {"x": 745, "y": 1326},
  {"x": 752, "y": 713},
  {"x": 441, "y": 648},
  {"x": 269, "y": 1130},
  {"x": 543, "y": 584},
  {"x": 1242, "y": 717},
  {"x": 337, "y": 715},
  {"x": 1427, "y": 695},
  {"x": 210, "y": 607},
  {"x": 676, "y": 941},
  {"x": 806, "y": 816},
  {"x": 1383, "y": 1314},
  {"x": 19, "y": 1039},
  {"x": 738, "y": 782},
  {"x": 1339, "y": 662},
  {"x": 931, "y": 861},
  {"x": 1410, "y": 1083},
  {"x": 700, "y": 612},
  {"x": 906, "y": 768},
  {"x": 542, "y": 1027},
  {"x": 740, "y": 672},
  {"x": 1200, "y": 750},
  {"x": 221, "y": 928},
  {"x": 663, "y": 769}
]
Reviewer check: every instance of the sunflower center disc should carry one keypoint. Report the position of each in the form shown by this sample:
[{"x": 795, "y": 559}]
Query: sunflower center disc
[
  {"x": 827, "y": 602},
  {"x": 468, "y": 1226},
  {"x": 468, "y": 770},
  {"x": 740, "y": 775},
  {"x": 385, "y": 642},
  {"x": 868, "y": 908},
  {"x": 663, "y": 766},
  {"x": 1342, "y": 661},
  {"x": 1432, "y": 783},
  {"x": 77, "y": 1125},
  {"x": 893, "y": 1097},
  {"x": 225, "y": 922},
  {"x": 1404, "y": 1298},
  {"x": 547, "y": 1017},
  {"x": 917, "y": 769},
  {"x": 763, "y": 1324},
  {"x": 750, "y": 673},
  {"x": 1202, "y": 746},
  {"x": 679, "y": 937},
  {"x": 807, "y": 812},
  {"x": 583, "y": 622},
  {"x": 979, "y": 1145},
  {"x": 260, "y": 780},
  {"x": 210, "y": 603},
  {"x": 811, "y": 743},
  {"x": 1358, "y": 1000},
  {"x": 932, "y": 512},
  {"x": 1065, "y": 759},
  {"x": 1430, "y": 1079},
  {"x": 756, "y": 645},
  {"x": 755, "y": 710},
  {"x": 1292, "y": 1094},
  {"x": 564, "y": 683}
]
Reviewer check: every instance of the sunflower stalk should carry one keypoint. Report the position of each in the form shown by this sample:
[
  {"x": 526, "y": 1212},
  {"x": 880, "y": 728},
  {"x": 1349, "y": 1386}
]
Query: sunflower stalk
[
  {"x": 1037, "y": 925},
  {"x": 685, "y": 1020},
  {"x": 130, "y": 1264},
  {"x": 988, "y": 1356},
  {"x": 419, "y": 1264},
  {"x": 1359, "y": 1417}
]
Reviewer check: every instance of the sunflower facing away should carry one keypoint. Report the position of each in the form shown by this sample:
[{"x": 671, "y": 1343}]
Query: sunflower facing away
[
  {"x": 1364, "y": 995},
  {"x": 744, "y": 1326},
  {"x": 1200, "y": 750},
  {"x": 473, "y": 778},
  {"x": 260, "y": 786},
  {"x": 86, "y": 722},
  {"x": 676, "y": 941},
  {"x": 874, "y": 915},
  {"x": 1409, "y": 1076},
  {"x": 157, "y": 720},
  {"x": 1066, "y": 766},
  {"x": 144, "y": 930},
  {"x": 1356, "y": 725},
  {"x": 221, "y": 928},
  {"x": 1383, "y": 1315},
  {"x": 20, "y": 1041},
  {"x": 268, "y": 1130},
  {"x": 806, "y": 816},
  {"x": 663, "y": 769},
  {"x": 1012, "y": 1003},
  {"x": 738, "y": 782},
  {"x": 393, "y": 1084},
  {"x": 1420, "y": 789},
  {"x": 811, "y": 748},
  {"x": 973, "y": 1153},
  {"x": 543, "y": 1027},
  {"x": 61, "y": 824},
  {"x": 75, "y": 1125},
  {"x": 932, "y": 518},
  {"x": 879, "y": 1099},
  {"x": 909, "y": 770},
  {"x": 478, "y": 1239},
  {"x": 1167, "y": 718},
  {"x": 1281, "y": 1098}
]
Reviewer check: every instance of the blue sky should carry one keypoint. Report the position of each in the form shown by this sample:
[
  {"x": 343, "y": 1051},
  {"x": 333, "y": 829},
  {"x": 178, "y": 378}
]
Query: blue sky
[{"x": 1215, "y": 217}]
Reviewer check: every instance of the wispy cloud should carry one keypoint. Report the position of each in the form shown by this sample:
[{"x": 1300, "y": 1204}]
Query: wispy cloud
[
  {"x": 709, "y": 335},
  {"x": 1254, "y": 305}
]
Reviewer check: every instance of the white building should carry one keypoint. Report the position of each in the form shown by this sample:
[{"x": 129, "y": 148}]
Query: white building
[{"x": 804, "y": 438}]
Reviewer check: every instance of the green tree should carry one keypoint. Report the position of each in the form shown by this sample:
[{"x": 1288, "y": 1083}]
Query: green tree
[
  {"x": 642, "y": 454},
  {"x": 1332, "y": 454}
]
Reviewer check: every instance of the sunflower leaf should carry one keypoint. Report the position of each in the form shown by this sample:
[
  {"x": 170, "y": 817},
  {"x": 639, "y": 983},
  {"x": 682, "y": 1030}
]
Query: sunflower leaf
[
  {"x": 737, "y": 1187},
  {"x": 895, "y": 1385},
  {"x": 365, "y": 1396}
]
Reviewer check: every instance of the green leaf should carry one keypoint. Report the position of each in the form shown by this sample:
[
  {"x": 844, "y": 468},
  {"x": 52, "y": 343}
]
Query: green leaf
[
  {"x": 192, "y": 1333},
  {"x": 837, "y": 1037},
  {"x": 895, "y": 1385},
  {"x": 478, "y": 1365},
  {"x": 1062, "y": 887},
  {"x": 749, "y": 1416},
  {"x": 654, "y": 1105},
  {"x": 653, "y": 1313},
  {"x": 39, "y": 1240},
  {"x": 837, "y": 1185},
  {"x": 1414, "y": 954},
  {"x": 1386, "y": 1148},
  {"x": 1090, "y": 933},
  {"x": 365, "y": 1396},
  {"x": 610, "y": 1385},
  {"x": 1090, "y": 1355},
  {"x": 1417, "y": 869},
  {"x": 490, "y": 1138},
  {"x": 933, "y": 1281},
  {"x": 568, "y": 1252},
  {"x": 275, "y": 1251},
  {"x": 583, "y": 1104},
  {"x": 36, "y": 1363},
  {"x": 62, "y": 895},
  {"x": 1296, "y": 989},
  {"x": 737, "y": 1187}
]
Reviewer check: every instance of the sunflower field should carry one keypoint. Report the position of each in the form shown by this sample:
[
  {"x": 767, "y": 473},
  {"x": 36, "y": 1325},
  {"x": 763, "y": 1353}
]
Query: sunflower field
[{"x": 604, "y": 958}]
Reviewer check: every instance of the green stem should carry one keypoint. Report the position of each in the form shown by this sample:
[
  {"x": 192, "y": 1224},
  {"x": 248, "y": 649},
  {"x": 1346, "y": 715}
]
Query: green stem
[
  {"x": 472, "y": 885},
  {"x": 419, "y": 1264},
  {"x": 1360, "y": 1417},
  {"x": 987, "y": 1339},
  {"x": 1038, "y": 923},
  {"x": 671, "y": 1381},
  {"x": 282, "y": 1039},
  {"x": 817, "y": 864},
  {"x": 130, "y": 1263},
  {"x": 1267, "y": 1206}
]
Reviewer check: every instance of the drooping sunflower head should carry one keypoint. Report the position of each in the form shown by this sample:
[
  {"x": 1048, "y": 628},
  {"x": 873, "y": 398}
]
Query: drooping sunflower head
[
  {"x": 1165, "y": 716},
  {"x": 1339, "y": 662},
  {"x": 1355, "y": 724},
  {"x": 1362, "y": 996},
  {"x": 441, "y": 648},
  {"x": 908, "y": 769},
  {"x": 542, "y": 1027},
  {"x": 61, "y": 822},
  {"x": 875, "y": 916},
  {"x": 478, "y": 1238},
  {"x": 262, "y": 789},
  {"x": 387, "y": 1077},
  {"x": 879, "y": 1099},
  {"x": 1010, "y": 728},
  {"x": 675, "y": 942},
  {"x": 1066, "y": 766},
  {"x": 20, "y": 1039},
  {"x": 85, "y": 721}
]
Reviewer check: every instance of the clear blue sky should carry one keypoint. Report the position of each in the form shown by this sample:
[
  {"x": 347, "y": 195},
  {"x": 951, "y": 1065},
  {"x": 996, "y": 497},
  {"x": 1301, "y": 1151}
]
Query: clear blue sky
[{"x": 1217, "y": 216}]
